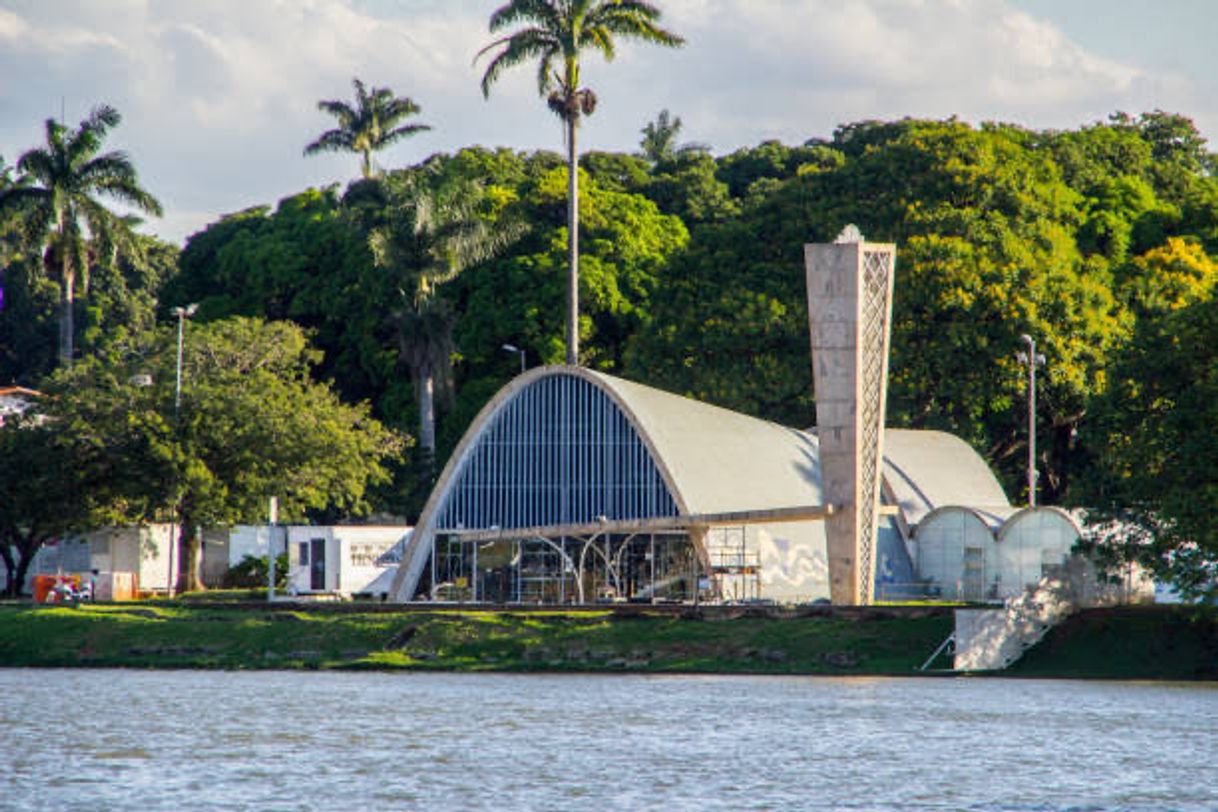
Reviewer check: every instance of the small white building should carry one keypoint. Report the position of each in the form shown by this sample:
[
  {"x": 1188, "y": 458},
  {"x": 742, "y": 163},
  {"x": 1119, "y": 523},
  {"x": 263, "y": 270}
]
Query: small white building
[
  {"x": 335, "y": 559},
  {"x": 128, "y": 560}
]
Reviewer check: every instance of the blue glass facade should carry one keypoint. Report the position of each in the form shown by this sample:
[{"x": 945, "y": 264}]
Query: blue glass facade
[{"x": 559, "y": 451}]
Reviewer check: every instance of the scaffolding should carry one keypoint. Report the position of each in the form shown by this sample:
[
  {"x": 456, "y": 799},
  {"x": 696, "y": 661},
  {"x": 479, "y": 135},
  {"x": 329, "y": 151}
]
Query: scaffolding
[{"x": 735, "y": 569}]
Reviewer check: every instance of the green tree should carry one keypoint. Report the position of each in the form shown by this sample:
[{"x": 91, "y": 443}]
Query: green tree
[
  {"x": 304, "y": 261},
  {"x": 517, "y": 299},
  {"x": 57, "y": 201},
  {"x": 1153, "y": 474},
  {"x": 690, "y": 188},
  {"x": 559, "y": 31},
  {"x": 659, "y": 144},
  {"x": 1177, "y": 274},
  {"x": 430, "y": 230},
  {"x": 372, "y": 124},
  {"x": 252, "y": 424},
  {"x": 984, "y": 227},
  {"x": 42, "y": 486}
]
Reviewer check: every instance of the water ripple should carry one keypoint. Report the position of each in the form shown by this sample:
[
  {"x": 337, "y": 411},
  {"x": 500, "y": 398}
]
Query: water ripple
[{"x": 307, "y": 740}]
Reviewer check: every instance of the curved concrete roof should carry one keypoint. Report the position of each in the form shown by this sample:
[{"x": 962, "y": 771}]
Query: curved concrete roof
[
  {"x": 925, "y": 470},
  {"x": 1044, "y": 514},
  {"x": 990, "y": 520},
  {"x": 716, "y": 460}
]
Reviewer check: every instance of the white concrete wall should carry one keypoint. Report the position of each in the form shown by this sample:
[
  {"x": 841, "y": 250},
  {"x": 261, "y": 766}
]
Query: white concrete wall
[
  {"x": 1030, "y": 544},
  {"x": 792, "y": 555},
  {"x": 359, "y": 549},
  {"x": 956, "y": 549},
  {"x": 940, "y": 544},
  {"x": 245, "y": 539},
  {"x": 151, "y": 548},
  {"x": 350, "y": 556}
]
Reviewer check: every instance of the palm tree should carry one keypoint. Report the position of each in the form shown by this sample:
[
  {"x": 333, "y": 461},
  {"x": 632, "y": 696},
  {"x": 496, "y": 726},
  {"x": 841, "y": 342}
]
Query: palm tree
[
  {"x": 557, "y": 32},
  {"x": 431, "y": 232},
  {"x": 369, "y": 126},
  {"x": 659, "y": 143},
  {"x": 55, "y": 201}
]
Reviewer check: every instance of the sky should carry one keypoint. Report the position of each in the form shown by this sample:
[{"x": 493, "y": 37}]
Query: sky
[{"x": 219, "y": 97}]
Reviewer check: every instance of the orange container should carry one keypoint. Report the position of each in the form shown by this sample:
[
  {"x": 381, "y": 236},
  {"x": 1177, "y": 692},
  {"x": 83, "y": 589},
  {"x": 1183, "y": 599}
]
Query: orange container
[{"x": 44, "y": 585}]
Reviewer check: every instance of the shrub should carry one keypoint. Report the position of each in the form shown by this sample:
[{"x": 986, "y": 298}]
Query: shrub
[{"x": 250, "y": 572}]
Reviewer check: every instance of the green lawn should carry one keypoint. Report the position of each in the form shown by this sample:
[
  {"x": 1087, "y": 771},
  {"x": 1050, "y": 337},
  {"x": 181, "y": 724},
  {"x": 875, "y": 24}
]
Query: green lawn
[
  {"x": 1126, "y": 643},
  {"x": 215, "y": 636}
]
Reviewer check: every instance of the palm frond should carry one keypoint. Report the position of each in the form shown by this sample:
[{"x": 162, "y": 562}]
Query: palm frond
[
  {"x": 331, "y": 141},
  {"x": 38, "y": 163},
  {"x": 635, "y": 19},
  {"x": 530, "y": 43},
  {"x": 339, "y": 109},
  {"x": 601, "y": 39},
  {"x": 545, "y": 13}
]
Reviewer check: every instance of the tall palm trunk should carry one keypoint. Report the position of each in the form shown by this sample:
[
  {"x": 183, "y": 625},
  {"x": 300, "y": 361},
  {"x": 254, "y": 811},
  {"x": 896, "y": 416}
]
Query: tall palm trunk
[
  {"x": 67, "y": 307},
  {"x": 572, "y": 240},
  {"x": 425, "y": 389}
]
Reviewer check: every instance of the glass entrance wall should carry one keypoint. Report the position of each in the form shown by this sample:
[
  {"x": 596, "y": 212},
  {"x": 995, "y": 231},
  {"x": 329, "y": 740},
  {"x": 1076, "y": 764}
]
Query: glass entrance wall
[
  {"x": 640, "y": 567},
  {"x": 559, "y": 452}
]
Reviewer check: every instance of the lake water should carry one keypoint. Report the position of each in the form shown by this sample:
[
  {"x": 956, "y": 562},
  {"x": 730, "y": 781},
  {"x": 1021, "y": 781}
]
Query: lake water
[{"x": 82, "y": 739}]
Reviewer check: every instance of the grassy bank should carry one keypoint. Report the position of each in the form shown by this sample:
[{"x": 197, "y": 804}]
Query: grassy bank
[
  {"x": 1129, "y": 643},
  {"x": 215, "y": 636},
  {"x": 1142, "y": 642}
]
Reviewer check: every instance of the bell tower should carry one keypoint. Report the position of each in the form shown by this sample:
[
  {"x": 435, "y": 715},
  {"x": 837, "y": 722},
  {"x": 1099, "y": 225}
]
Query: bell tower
[{"x": 850, "y": 285}]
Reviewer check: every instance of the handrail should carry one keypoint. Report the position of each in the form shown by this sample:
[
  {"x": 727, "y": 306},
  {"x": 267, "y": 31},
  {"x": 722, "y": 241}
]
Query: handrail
[{"x": 951, "y": 638}]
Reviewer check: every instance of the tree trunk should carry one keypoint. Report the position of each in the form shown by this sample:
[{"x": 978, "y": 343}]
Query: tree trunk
[
  {"x": 67, "y": 305},
  {"x": 190, "y": 557},
  {"x": 23, "y": 568},
  {"x": 10, "y": 570},
  {"x": 1056, "y": 463},
  {"x": 572, "y": 242},
  {"x": 425, "y": 386}
]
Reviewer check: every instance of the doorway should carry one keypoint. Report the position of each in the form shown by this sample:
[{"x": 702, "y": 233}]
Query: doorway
[{"x": 317, "y": 565}]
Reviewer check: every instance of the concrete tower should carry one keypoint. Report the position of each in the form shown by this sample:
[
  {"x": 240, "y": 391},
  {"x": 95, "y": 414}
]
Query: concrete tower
[{"x": 850, "y": 316}]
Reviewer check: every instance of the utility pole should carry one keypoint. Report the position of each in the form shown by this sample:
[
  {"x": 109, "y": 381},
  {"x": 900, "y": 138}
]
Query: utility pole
[
  {"x": 183, "y": 313},
  {"x": 1033, "y": 360},
  {"x": 270, "y": 548}
]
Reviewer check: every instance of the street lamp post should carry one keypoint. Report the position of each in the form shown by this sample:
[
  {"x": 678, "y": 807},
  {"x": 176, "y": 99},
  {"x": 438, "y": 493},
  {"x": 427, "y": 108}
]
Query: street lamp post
[
  {"x": 1033, "y": 360},
  {"x": 518, "y": 350},
  {"x": 183, "y": 313}
]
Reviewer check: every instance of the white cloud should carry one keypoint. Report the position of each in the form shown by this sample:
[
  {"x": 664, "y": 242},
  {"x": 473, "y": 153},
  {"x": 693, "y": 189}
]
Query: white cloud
[{"x": 219, "y": 96}]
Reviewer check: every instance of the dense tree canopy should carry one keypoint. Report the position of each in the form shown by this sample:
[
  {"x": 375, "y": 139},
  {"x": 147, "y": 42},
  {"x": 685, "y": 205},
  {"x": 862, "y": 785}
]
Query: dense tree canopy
[
  {"x": 252, "y": 424},
  {"x": 1101, "y": 242},
  {"x": 1153, "y": 438}
]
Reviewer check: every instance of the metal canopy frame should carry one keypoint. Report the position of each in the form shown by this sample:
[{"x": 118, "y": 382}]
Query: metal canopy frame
[{"x": 559, "y": 554}]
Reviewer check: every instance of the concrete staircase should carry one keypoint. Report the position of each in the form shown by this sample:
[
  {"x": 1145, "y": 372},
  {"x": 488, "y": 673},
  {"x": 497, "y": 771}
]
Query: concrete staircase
[{"x": 992, "y": 639}]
